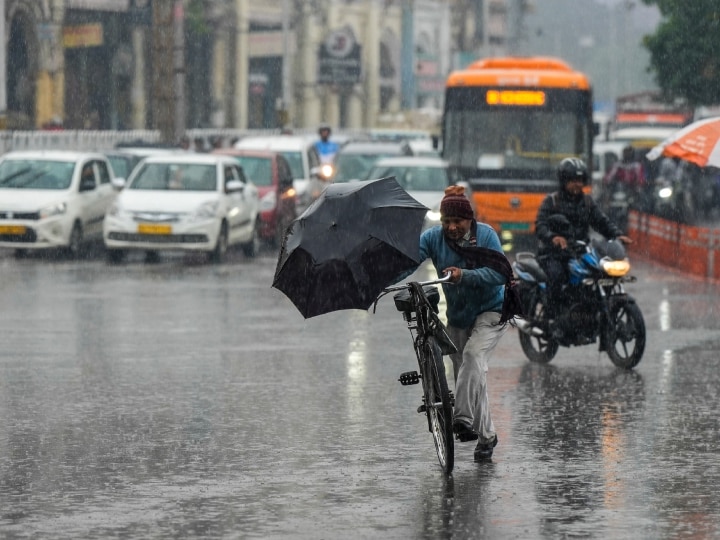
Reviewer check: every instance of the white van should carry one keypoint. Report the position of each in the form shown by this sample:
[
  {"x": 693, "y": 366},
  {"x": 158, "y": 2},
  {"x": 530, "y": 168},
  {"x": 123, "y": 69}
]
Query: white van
[{"x": 301, "y": 155}]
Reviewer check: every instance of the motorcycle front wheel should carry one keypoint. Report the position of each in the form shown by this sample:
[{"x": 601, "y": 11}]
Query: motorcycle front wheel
[
  {"x": 535, "y": 343},
  {"x": 625, "y": 334}
]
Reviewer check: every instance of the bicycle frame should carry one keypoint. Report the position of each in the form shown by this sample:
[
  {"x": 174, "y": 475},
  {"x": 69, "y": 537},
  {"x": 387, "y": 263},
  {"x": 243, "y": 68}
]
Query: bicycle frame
[{"x": 428, "y": 332}]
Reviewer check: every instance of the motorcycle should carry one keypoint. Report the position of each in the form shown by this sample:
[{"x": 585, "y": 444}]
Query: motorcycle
[
  {"x": 617, "y": 205},
  {"x": 596, "y": 307}
]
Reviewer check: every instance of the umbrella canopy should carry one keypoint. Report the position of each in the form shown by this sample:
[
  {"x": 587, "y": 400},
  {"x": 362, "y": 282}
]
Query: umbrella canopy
[
  {"x": 351, "y": 243},
  {"x": 698, "y": 143}
]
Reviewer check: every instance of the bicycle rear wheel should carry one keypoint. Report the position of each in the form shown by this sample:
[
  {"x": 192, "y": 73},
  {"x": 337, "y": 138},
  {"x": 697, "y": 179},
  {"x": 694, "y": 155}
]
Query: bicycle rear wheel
[{"x": 438, "y": 404}]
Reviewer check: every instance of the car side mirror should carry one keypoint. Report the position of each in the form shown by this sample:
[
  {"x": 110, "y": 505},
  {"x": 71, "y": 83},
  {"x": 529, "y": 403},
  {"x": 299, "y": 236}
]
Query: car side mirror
[
  {"x": 118, "y": 183},
  {"x": 234, "y": 185}
]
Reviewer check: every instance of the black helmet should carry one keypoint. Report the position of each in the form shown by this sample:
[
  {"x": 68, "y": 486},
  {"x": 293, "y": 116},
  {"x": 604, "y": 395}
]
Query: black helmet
[{"x": 572, "y": 168}]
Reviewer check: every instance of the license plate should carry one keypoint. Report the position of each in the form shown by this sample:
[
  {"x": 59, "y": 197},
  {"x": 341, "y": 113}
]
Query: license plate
[
  {"x": 514, "y": 226},
  {"x": 151, "y": 228},
  {"x": 13, "y": 229}
]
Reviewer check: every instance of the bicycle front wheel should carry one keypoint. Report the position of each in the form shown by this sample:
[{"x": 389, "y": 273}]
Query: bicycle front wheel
[{"x": 438, "y": 403}]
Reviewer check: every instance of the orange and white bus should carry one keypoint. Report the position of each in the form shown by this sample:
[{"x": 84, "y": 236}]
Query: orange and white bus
[{"x": 507, "y": 124}]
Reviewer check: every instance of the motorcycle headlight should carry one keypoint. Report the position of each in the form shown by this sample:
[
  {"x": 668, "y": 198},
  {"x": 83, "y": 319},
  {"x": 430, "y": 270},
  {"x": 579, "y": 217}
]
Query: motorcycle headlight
[
  {"x": 268, "y": 202},
  {"x": 326, "y": 171},
  {"x": 616, "y": 268},
  {"x": 665, "y": 193},
  {"x": 53, "y": 210},
  {"x": 207, "y": 210}
]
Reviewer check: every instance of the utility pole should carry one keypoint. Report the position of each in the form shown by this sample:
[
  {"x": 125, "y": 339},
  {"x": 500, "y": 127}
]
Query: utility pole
[
  {"x": 168, "y": 80},
  {"x": 3, "y": 69},
  {"x": 407, "y": 56}
]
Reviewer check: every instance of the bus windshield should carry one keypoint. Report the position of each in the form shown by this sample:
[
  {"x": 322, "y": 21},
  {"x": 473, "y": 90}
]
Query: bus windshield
[{"x": 518, "y": 140}]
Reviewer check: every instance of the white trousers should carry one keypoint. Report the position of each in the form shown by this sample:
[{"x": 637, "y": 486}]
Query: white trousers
[{"x": 470, "y": 364}]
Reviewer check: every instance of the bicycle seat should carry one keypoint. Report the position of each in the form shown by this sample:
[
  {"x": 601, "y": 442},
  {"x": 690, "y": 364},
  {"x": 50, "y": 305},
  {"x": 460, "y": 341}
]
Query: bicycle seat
[{"x": 403, "y": 299}]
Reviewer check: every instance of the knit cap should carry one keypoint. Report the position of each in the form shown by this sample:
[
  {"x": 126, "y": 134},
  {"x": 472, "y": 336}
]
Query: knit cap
[{"x": 455, "y": 204}]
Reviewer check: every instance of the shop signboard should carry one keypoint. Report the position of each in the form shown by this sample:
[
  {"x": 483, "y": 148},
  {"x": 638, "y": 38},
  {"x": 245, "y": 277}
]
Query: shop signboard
[{"x": 339, "y": 58}]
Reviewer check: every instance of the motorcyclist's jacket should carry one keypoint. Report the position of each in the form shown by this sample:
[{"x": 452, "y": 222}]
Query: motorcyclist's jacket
[{"x": 582, "y": 212}]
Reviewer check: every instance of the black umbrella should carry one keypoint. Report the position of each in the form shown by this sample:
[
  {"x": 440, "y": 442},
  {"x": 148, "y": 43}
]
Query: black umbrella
[{"x": 351, "y": 243}]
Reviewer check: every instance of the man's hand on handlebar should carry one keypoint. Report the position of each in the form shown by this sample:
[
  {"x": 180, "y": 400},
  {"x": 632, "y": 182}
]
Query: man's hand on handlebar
[{"x": 455, "y": 273}]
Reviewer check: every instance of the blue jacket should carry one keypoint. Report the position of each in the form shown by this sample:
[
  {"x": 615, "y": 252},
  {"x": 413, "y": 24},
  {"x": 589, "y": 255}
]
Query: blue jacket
[{"x": 479, "y": 290}]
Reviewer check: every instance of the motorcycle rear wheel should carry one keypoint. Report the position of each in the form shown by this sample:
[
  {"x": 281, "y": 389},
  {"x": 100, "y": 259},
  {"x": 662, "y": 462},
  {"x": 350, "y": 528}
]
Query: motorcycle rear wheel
[
  {"x": 538, "y": 348},
  {"x": 625, "y": 335}
]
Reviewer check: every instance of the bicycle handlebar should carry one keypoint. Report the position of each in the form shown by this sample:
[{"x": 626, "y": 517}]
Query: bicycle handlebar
[{"x": 443, "y": 279}]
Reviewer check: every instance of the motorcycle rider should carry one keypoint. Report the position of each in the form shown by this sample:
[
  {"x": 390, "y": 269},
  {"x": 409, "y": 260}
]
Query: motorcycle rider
[
  {"x": 326, "y": 148},
  {"x": 582, "y": 213},
  {"x": 627, "y": 171}
]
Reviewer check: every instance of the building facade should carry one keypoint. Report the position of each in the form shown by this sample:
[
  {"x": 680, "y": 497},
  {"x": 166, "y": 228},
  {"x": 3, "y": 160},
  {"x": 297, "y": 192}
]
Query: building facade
[{"x": 134, "y": 64}]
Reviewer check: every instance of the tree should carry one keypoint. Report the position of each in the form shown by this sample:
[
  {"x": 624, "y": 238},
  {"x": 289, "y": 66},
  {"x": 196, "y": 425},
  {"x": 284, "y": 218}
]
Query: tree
[{"x": 685, "y": 50}]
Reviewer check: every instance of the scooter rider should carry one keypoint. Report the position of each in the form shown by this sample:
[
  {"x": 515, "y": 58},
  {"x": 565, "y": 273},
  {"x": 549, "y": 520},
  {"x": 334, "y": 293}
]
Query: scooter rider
[
  {"x": 326, "y": 148},
  {"x": 582, "y": 213}
]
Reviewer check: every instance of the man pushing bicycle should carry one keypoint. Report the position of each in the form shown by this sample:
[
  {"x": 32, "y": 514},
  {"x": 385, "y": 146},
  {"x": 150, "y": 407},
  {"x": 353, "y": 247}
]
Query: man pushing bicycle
[{"x": 475, "y": 295}]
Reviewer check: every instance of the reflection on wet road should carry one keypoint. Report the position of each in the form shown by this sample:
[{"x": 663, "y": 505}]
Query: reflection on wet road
[{"x": 186, "y": 400}]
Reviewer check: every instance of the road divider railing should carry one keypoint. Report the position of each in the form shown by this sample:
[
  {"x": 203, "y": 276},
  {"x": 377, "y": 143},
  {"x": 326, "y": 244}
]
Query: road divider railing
[{"x": 690, "y": 249}]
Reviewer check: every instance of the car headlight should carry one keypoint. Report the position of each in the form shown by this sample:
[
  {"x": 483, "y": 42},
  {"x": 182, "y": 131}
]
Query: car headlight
[
  {"x": 115, "y": 209},
  {"x": 616, "y": 268},
  {"x": 268, "y": 202},
  {"x": 665, "y": 193},
  {"x": 433, "y": 215},
  {"x": 208, "y": 209},
  {"x": 53, "y": 210}
]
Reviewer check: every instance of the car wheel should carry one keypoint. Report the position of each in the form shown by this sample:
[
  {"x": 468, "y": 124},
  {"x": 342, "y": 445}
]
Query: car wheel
[
  {"x": 74, "y": 247},
  {"x": 251, "y": 248},
  {"x": 218, "y": 254}
]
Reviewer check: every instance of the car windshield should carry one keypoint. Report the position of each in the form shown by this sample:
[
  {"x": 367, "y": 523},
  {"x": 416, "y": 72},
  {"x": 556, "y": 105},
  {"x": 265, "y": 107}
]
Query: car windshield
[
  {"x": 351, "y": 166},
  {"x": 294, "y": 159},
  {"x": 415, "y": 178},
  {"x": 257, "y": 169},
  {"x": 36, "y": 174},
  {"x": 121, "y": 166},
  {"x": 175, "y": 176}
]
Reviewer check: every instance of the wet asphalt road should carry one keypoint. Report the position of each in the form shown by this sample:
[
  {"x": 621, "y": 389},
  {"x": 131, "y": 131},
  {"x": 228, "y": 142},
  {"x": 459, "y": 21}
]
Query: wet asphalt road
[{"x": 185, "y": 400}]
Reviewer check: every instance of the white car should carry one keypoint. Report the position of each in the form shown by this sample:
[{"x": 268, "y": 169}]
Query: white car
[
  {"x": 303, "y": 158},
  {"x": 424, "y": 178},
  {"x": 184, "y": 202},
  {"x": 53, "y": 199}
]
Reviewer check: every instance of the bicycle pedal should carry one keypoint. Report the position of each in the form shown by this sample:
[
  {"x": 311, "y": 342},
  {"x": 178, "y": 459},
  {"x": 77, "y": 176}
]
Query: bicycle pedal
[
  {"x": 409, "y": 377},
  {"x": 422, "y": 408}
]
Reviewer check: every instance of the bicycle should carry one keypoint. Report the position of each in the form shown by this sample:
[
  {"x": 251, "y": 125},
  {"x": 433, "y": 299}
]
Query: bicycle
[{"x": 418, "y": 302}]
